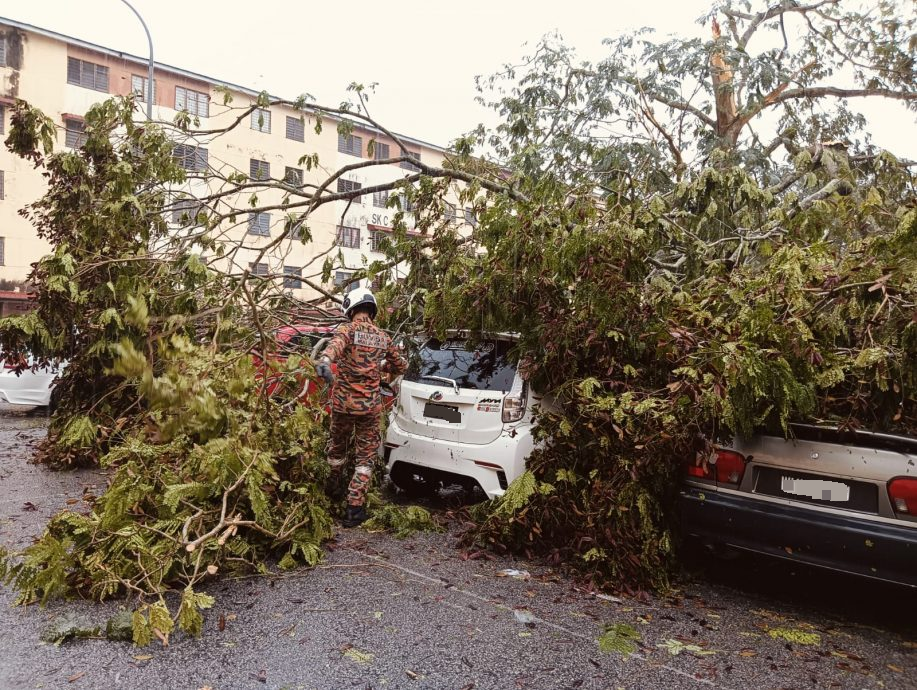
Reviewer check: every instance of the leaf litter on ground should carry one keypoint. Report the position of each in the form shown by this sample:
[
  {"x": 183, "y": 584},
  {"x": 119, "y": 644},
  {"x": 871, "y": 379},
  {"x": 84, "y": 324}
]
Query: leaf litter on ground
[
  {"x": 402, "y": 521},
  {"x": 619, "y": 637}
]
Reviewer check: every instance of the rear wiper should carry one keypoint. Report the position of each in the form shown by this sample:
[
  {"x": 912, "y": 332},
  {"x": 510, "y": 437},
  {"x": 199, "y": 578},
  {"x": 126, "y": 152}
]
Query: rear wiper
[{"x": 443, "y": 379}]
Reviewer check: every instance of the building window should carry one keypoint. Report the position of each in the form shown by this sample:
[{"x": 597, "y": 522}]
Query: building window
[
  {"x": 259, "y": 224},
  {"x": 376, "y": 240},
  {"x": 258, "y": 269},
  {"x": 410, "y": 166},
  {"x": 193, "y": 158},
  {"x": 87, "y": 74},
  {"x": 2, "y": 51},
  {"x": 407, "y": 205},
  {"x": 380, "y": 199},
  {"x": 139, "y": 86},
  {"x": 2, "y": 186},
  {"x": 75, "y": 135},
  {"x": 292, "y": 176},
  {"x": 195, "y": 102},
  {"x": 348, "y": 237},
  {"x": 470, "y": 217},
  {"x": 261, "y": 120},
  {"x": 2, "y": 251},
  {"x": 2, "y": 120},
  {"x": 296, "y": 129},
  {"x": 449, "y": 212},
  {"x": 381, "y": 151},
  {"x": 291, "y": 277},
  {"x": 351, "y": 144},
  {"x": 185, "y": 212},
  {"x": 259, "y": 170},
  {"x": 348, "y": 185},
  {"x": 343, "y": 278}
]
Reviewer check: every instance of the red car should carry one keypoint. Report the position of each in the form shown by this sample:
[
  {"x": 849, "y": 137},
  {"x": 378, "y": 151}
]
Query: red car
[{"x": 307, "y": 341}]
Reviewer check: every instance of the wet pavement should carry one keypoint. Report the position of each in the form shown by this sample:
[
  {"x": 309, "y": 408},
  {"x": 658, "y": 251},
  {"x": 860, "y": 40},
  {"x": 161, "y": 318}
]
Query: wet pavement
[{"x": 419, "y": 613}]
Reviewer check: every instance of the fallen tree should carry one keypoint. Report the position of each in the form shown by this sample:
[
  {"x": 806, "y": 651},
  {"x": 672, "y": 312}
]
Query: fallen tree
[
  {"x": 168, "y": 358},
  {"x": 678, "y": 279},
  {"x": 672, "y": 284}
]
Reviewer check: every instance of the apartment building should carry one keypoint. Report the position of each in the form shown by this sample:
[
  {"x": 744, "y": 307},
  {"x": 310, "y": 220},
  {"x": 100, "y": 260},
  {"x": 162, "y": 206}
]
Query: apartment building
[{"x": 64, "y": 76}]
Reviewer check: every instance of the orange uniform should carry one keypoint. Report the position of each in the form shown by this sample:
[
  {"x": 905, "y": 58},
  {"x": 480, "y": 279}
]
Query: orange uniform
[{"x": 359, "y": 348}]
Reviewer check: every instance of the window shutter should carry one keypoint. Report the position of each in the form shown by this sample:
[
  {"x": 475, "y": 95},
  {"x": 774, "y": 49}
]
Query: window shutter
[
  {"x": 296, "y": 129},
  {"x": 292, "y": 176},
  {"x": 101, "y": 78},
  {"x": 291, "y": 277},
  {"x": 201, "y": 159},
  {"x": 3, "y": 52},
  {"x": 73, "y": 71},
  {"x": 74, "y": 136}
]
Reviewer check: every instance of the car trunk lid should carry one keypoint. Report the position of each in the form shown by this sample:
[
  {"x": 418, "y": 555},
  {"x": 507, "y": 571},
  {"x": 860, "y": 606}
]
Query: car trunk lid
[{"x": 454, "y": 389}]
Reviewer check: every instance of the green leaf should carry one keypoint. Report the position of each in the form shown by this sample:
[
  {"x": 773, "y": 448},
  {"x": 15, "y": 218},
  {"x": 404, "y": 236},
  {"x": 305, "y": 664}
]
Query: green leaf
[
  {"x": 620, "y": 638},
  {"x": 142, "y": 632}
]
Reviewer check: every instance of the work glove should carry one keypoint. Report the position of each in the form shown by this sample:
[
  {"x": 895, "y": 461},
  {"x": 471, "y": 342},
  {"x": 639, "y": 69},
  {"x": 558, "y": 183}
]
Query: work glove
[{"x": 323, "y": 369}]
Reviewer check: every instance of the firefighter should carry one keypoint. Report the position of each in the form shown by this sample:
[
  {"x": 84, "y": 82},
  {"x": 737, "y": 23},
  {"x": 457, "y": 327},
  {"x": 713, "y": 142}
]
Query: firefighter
[{"x": 363, "y": 352}]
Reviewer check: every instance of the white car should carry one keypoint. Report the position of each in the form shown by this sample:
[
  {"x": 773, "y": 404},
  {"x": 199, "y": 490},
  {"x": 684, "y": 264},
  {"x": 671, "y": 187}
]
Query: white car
[
  {"x": 29, "y": 387},
  {"x": 463, "y": 416}
]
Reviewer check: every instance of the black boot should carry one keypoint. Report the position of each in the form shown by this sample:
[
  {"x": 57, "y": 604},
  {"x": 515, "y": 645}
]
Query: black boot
[
  {"x": 334, "y": 487},
  {"x": 354, "y": 516}
]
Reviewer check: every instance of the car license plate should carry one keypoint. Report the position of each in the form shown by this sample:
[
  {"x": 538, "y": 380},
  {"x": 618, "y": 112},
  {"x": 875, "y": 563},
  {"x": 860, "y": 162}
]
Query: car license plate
[
  {"x": 447, "y": 413},
  {"x": 819, "y": 489},
  {"x": 813, "y": 488}
]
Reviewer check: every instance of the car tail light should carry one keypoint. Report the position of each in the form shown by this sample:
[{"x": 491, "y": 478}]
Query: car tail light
[
  {"x": 902, "y": 491},
  {"x": 726, "y": 466},
  {"x": 704, "y": 471},
  {"x": 514, "y": 404},
  {"x": 730, "y": 467}
]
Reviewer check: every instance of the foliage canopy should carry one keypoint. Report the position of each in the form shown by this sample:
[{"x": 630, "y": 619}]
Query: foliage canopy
[{"x": 675, "y": 277}]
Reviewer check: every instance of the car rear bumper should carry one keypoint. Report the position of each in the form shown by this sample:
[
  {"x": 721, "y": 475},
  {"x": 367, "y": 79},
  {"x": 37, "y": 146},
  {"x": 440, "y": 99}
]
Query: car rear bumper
[
  {"x": 840, "y": 542},
  {"x": 508, "y": 452},
  {"x": 24, "y": 396}
]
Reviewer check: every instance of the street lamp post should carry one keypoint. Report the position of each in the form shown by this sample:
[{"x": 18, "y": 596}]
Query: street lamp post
[{"x": 149, "y": 83}]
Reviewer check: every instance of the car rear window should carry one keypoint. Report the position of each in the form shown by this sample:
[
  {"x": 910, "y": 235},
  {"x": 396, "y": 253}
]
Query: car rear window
[{"x": 482, "y": 365}]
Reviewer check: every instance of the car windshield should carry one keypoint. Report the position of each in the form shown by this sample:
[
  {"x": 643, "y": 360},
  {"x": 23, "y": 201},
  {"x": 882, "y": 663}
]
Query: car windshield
[{"x": 482, "y": 365}]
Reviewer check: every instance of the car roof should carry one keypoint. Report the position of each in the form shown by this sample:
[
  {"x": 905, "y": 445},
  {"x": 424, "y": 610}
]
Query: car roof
[
  {"x": 482, "y": 335},
  {"x": 307, "y": 328},
  {"x": 858, "y": 437}
]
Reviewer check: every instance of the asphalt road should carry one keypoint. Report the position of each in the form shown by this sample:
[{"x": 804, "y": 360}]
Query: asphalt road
[{"x": 383, "y": 613}]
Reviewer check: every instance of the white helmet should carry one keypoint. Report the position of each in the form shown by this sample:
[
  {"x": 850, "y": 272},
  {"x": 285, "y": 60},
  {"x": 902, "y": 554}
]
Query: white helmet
[{"x": 359, "y": 297}]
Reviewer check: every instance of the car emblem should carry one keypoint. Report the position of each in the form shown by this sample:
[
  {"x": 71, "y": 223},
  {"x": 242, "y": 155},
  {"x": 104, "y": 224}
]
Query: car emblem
[{"x": 436, "y": 395}]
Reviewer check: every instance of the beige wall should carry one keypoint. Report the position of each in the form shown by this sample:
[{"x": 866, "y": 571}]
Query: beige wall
[
  {"x": 23, "y": 78},
  {"x": 38, "y": 73}
]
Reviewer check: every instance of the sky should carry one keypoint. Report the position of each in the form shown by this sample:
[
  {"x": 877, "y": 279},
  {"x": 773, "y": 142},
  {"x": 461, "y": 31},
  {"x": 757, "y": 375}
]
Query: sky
[{"x": 424, "y": 54}]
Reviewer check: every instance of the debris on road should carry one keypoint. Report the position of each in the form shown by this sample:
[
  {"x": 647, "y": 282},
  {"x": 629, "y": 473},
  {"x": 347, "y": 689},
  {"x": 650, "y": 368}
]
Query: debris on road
[
  {"x": 795, "y": 635},
  {"x": 69, "y": 627},
  {"x": 120, "y": 627},
  {"x": 619, "y": 637}
]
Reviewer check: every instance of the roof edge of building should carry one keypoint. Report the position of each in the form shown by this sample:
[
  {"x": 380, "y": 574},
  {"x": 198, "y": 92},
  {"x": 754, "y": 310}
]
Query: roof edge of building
[{"x": 186, "y": 73}]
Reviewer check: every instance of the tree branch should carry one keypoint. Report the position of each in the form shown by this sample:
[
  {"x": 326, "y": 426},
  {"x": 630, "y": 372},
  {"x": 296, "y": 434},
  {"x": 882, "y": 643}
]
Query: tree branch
[{"x": 757, "y": 19}]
